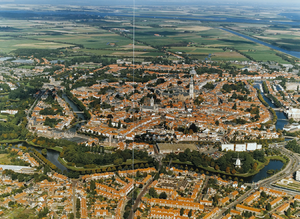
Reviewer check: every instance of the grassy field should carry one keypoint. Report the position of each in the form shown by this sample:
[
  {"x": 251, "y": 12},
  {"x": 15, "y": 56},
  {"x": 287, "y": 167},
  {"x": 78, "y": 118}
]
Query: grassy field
[
  {"x": 4, "y": 159},
  {"x": 106, "y": 37},
  {"x": 19, "y": 212}
]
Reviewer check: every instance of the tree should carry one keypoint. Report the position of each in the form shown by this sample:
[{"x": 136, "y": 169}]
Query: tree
[
  {"x": 181, "y": 211},
  {"x": 263, "y": 194},
  {"x": 234, "y": 106},
  {"x": 268, "y": 207},
  {"x": 163, "y": 195},
  {"x": 190, "y": 213},
  {"x": 152, "y": 192},
  {"x": 254, "y": 166},
  {"x": 217, "y": 167},
  {"x": 227, "y": 169},
  {"x": 44, "y": 152}
]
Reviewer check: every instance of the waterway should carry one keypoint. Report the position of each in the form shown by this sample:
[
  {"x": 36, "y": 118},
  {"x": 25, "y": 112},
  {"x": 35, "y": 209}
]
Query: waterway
[
  {"x": 273, "y": 165},
  {"x": 75, "y": 108},
  {"x": 52, "y": 156},
  {"x": 282, "y": 120},
  {"x": 292, "y": 53}
]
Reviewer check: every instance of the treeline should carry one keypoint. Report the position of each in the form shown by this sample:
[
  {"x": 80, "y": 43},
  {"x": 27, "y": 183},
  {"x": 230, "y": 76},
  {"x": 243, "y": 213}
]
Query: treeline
[
  {"x": 81, "y": 156},
  {"x": 37, "y": 53},
  {"x": 265, "y": 87},
  {"x": 275, "y": 100},
  {"x": 80, "y": 105},
  {"x": 207, "y": 70},
  {"x": 47, "y": 162},
  {"x": 293, "y": 146},
  {"x": 96, "y": 59},
  {"x": 286, "y": 58}
]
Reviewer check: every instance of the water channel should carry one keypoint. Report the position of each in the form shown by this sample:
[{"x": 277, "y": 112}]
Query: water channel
[
  {"x": 281, "y": 117},
  {"x": 292, "y": 53},
  {"x": 262, "y": 174}
]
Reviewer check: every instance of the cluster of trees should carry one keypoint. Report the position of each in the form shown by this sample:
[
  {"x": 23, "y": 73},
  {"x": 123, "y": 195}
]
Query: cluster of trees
[
  {"x": 105, "y": 89},
  {"x": 81, "y": 155},
  {"x": 189, "y": 130},
  {"x": 239, "y": 87},
  {"x": 5, "y": 88},
  {"x": 293, "y": 146},
  {"x": 239, "y": 97},
  {"x": 40, "y": 156},
  {"x": 153, "y": 194},
  {"x": 48, "y": 142},
  {"x": 50, "y": 111},
  {"x": 225, "y": 163},
  {"x": 209, "y": 86},
  {"x": 207, "y": 70},
  {"x": 198, "y": 100},
  {"x": 51, "y": 122}
]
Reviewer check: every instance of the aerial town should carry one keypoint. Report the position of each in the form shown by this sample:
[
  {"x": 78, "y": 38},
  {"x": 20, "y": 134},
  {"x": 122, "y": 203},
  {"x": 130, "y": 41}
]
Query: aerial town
[
  {"x": 166, "y": 115},
  {"x": 191, "y": 119}
]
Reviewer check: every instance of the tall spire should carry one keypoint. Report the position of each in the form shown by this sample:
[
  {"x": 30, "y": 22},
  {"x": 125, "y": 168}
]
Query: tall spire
[{"x": 192, "y": 88}]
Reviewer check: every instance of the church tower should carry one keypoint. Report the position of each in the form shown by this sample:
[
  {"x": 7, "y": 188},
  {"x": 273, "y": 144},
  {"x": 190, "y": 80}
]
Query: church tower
[
  {"x": 192, "y": 88},
  {"x": 152, "y": 102}
]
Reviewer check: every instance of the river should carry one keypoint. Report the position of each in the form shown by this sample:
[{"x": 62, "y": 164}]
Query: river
[
  {"x": 292, "y": 53},
  {"x": 75, "y": 108}
]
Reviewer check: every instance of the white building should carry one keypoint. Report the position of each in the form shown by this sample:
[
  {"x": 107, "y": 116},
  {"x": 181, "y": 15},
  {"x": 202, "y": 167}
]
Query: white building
[
  {"x": 298, "y": 175},
  {"x": 227, "y": 147},
  {"x": 241, "y": 147},
  {"x": 293, "y": 113}
]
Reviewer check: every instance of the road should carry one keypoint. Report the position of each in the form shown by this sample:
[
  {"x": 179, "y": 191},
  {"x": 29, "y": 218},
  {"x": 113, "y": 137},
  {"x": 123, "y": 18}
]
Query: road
[
  {"x": 142, "y": 193},
  {"x": 138, "y": 199},
  {"x": 74, "y": 182}
]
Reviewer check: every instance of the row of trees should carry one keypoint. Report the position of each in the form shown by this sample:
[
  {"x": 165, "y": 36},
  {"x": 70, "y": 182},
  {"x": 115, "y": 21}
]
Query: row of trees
[{"x": 47, "y": 162}]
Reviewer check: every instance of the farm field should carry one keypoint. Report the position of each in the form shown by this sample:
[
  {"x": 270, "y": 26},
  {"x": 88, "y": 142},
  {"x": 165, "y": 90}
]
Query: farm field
[{"x": 112, "y": 36}]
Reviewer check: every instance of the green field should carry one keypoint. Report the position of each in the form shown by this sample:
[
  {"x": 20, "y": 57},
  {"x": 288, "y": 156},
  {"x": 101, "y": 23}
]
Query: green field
[
  {"x": 4, "y": 159},
  {"x": 154, "y": 37}
]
